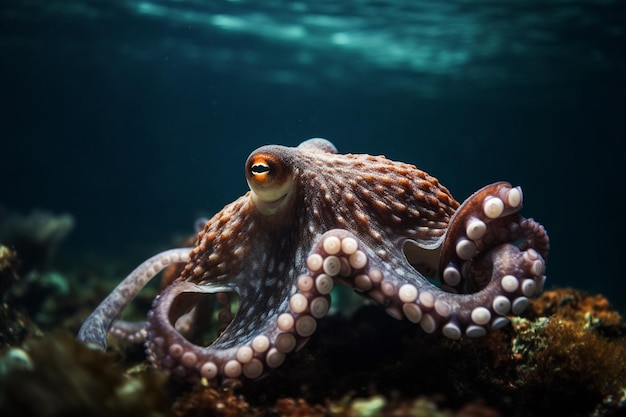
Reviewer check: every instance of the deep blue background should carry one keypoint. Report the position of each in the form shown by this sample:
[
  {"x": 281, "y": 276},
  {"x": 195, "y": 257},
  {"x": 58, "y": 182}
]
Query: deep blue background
[{"x": 137, "y": 117}]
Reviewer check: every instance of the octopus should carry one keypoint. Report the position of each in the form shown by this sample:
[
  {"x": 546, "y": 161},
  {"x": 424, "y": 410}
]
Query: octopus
[{"x": 312, "y": 219}]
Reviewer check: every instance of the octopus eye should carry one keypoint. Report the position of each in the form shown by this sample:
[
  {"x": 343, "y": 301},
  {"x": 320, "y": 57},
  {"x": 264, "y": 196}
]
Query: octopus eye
[
  {"x": 270, "y": 180},
  {"x": 265, "y": 170},
  {"x": 260, "y": 168},
  {"x": 262, "y": 171}
]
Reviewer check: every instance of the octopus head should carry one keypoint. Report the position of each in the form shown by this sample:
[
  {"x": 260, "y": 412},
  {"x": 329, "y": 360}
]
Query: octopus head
[{"x": 271, "y": 172}]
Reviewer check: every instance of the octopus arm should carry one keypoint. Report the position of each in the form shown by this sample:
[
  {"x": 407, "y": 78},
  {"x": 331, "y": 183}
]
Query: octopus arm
[
  {"x": 485, "y": 274},
  {"x": 95, "y": 328}
]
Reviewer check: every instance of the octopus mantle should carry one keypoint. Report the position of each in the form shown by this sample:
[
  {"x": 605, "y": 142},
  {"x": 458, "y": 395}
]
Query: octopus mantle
[{"x": 314, "y": 218}]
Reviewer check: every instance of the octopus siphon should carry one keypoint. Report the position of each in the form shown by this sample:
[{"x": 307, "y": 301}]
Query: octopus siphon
[{"x": 314, "y": 218}]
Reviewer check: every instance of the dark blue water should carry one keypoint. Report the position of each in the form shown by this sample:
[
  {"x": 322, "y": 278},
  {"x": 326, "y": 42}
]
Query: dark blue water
[{"x": 137, "y": 116}]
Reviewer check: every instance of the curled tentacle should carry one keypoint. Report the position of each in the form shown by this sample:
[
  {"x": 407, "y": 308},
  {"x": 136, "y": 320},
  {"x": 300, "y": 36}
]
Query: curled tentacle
[
  {"x": 485, "y": 220},
  {"x": 515, "y": 278},
  {"x": 476, "y": 249},
  {"x": 96, "y": 327},
  {"x": 251, "y": 344}
]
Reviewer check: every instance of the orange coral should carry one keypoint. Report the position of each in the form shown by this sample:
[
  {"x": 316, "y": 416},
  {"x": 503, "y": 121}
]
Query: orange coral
[
  {"x": 578, "y": 306},
  {"x": 205, "y": 401},
  {"x": 563, "y": 352},
  {"x": 290, "y": 407}
]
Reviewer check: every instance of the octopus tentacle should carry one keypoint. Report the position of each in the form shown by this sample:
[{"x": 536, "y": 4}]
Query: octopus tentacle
[
  {"x": 95, "y": 328},
  {"x": 129, "y": 331},
  {"x": 403, "y": 295},
  {"x": 168, "y": 348},
  {"x": 479, "y": 254},
  {"x": 536, "y": 237},
  {"x": 235, "y": 354},
  {"x": 486, "y": 219},
  {"x": 476, "y": 246}
]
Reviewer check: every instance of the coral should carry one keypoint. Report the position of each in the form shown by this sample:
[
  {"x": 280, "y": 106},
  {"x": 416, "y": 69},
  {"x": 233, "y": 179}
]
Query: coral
[
  {"x": 427, "y": 407},
  {"x": 567, "y": 357},
  {"x": 594, "y": 311},
  {"x": 15, "y": 323},
  {"x": 290, "y": 407},
  {"x": 205, "y": 401},
  {"x": 577, "y": 354}
]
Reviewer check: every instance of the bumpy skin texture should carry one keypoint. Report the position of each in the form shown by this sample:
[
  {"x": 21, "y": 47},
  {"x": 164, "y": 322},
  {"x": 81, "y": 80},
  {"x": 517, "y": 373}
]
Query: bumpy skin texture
[{"x": 314, "y": 218}]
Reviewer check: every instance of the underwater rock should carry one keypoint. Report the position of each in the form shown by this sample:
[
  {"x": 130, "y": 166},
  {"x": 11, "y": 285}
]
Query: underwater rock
[
  {"x": 14, "y": 359},
  {"x": 35, "y": 237}
]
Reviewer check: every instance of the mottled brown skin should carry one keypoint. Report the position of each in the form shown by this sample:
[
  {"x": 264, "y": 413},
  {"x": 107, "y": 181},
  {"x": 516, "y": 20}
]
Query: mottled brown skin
[
  {"x": 313, "y": 218},
  {"x": 371, "y": 196}
]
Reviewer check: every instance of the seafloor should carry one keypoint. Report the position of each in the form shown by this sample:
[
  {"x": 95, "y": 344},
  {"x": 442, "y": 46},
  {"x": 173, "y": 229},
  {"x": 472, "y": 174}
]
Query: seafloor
[{"x": 565, "y": 356}]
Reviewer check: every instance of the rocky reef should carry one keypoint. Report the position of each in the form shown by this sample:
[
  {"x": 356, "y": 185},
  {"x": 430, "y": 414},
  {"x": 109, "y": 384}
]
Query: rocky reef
[{"x": 566, "y": 356}]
